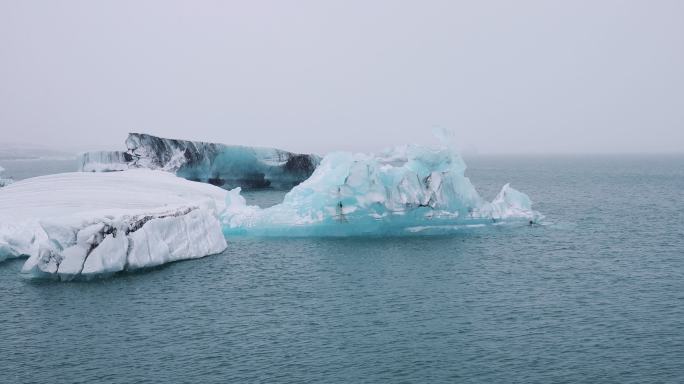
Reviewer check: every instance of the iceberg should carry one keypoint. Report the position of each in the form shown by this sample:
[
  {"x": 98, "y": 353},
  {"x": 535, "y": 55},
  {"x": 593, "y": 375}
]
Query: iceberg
[
  {"x": 223, "y": 165},
  {"x": 4, "y": 181},
  {"x": 81, "y": 225},
  {"x": 104, "y": 161},
  {"x": 407, "y": 190}
]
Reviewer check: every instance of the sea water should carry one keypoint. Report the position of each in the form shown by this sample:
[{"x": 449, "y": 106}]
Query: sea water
[{"x": 594, "y": 294}]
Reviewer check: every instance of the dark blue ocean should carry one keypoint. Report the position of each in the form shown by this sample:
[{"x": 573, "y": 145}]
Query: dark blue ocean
[{"x": 595, "y": 295}]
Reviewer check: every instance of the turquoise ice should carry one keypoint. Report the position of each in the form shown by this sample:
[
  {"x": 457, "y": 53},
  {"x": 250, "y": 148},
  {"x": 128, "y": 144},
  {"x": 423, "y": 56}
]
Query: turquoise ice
[
  {"x": 406, "y": 190},
  {"x": 227, "y": 166}
]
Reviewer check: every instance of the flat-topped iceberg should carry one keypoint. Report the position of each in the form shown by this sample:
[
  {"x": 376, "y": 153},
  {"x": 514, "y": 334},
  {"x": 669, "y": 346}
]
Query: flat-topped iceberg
[
  {"x": 104, "y": 161},
  {"x": 407, "y": 190},
  {"x": 76, "y": 225},
  {"x": 223, "y": 165}
]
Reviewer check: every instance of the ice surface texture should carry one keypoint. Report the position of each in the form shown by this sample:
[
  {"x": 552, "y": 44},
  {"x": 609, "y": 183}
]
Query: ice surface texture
[
  {"x": 88, "y": 224},
  {"x": 223, "y": 165},
  {"x": 104, "y": 161},
  {"x": 407, "y": 190}
]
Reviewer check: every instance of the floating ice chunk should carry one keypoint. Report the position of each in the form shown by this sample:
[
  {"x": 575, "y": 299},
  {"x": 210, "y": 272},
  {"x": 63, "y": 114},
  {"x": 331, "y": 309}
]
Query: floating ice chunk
[
  {"x": 223, "y": 165},
  {"x": 409, "y": 189},
  {"x": 104, "y": 161},
  {"x": 4, "y": 181},
  {"x": 89, "y": 224},
  {"x": 128, "y": 243},
  {"x": 219, "y": 164},
  {"x": 508, "y": 203}
]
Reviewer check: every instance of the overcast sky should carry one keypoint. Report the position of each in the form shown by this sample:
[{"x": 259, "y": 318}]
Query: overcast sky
[{"x": 314, "y": 76}]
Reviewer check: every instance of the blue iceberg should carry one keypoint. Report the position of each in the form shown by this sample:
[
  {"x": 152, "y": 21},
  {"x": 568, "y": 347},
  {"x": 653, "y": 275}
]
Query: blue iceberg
[
  {"x": 227, "y": 166},
  {"x": 407, "y": 190}
]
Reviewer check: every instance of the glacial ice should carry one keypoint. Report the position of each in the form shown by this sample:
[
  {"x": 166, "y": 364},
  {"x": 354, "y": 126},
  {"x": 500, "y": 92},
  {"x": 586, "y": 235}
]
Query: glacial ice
[
  {"x": 83, "y": 224},
  {"x": 104, "y": 161},
  {"x": 4, "y": 181},
  {"x": 227, "y": 166},
  {"x": 406, "y": 190},
  {"x": 78, "y": 225}
]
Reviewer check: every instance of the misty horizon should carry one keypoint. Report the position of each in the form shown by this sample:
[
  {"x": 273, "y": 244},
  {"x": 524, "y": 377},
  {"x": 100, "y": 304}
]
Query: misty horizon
[
  {"x": 56, "y": 150},
  {"x": 523, "y": 78}
]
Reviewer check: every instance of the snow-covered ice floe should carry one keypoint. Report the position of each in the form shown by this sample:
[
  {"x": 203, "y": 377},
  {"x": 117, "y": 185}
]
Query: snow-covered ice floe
[
  {"x": 79, "y": 225},
  {"x": 407, "y": 190},
  {"x": 227, "y": 166}
]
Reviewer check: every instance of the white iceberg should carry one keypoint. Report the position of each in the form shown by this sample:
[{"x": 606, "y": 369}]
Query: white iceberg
[
  {"x": 406, "y": 190},
  {"x": 104, "y": 161},
  {"x": 89, "y": 224},
  {"x": 4, "y": 181}
]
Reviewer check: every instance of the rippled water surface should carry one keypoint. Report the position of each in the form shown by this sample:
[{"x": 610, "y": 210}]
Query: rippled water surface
[{"x": 596, "y": 295}]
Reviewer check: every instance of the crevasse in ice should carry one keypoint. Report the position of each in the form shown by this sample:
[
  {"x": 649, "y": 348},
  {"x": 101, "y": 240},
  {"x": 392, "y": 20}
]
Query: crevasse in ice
[{"x": 410, "y": 189}]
